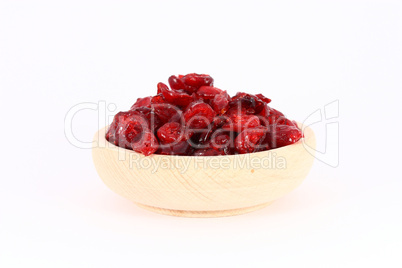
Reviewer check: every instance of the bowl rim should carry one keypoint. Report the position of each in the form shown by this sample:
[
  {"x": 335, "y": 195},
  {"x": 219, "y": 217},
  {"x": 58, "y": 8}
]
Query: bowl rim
[{"x": 308, "y": 134}]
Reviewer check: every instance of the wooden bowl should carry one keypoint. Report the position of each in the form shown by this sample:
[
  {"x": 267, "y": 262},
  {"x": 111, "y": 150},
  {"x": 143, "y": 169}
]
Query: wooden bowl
[{"x": 211, "y": 186}]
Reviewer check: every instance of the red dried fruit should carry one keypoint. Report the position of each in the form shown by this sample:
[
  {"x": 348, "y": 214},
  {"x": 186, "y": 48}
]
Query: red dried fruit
[
  {"x": 176, "y": 83},
  {"x": 190, "y": 83},
  {"x": 203, "y": 135},
  {"x": 202, "y": 138},
  {"x": 173, "y": 132},
  {"x": 283, "y": 135},
  {"x": 198, "y": 115},
  {"x": 153, "y": 120},
  {"x": 237, "y": 110},
  {"x": 126, "y": 127},
  {"x": 222, "y": 142},
  {"x": 270, "y": 116},
  {"x": 249, "y": 101},
  {"x": 220, "y": 102},
  {"x": 197, "y": 141},
  {"x": 181, "y": 148},
  {"x": 238, "y": 123},
  {"x": 167, "y": 112},
  {"x": 265, "y": 111},
  {"x": 147, "y": 144},
  {"x": 208, "y": 93},
  {"x": 263, "y": 98},
  {"x": 284, "y": 121},
  {"x": 158, "y": 99},
  {"x": 248, "y": 141},
  {"x": 195, "y": 81},
  {"x": 142, "y": 102},
  {"x": 176, "y": 97},
  {"x": 274, "y": 113},
  {"x": 274, "y": 116},
  {"x": 219, "y": 121}
]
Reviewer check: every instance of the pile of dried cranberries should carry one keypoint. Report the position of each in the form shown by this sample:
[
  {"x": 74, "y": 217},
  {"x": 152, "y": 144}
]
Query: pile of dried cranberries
[{"x": 193, "y": 117}]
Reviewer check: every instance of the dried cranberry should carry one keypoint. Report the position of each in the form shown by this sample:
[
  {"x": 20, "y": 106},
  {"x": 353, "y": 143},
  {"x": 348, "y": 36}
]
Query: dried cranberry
[
  {"x": 285, "y": 121},
  {"x": 190, "y": 83},
  {"x": 238, "y": 123},
  {"x": 220, "y": 102},
  {"x": 173, "y": 132},
  {"x": 207, "y": 92},
  {"x": 175, "y": 97},
  {"x": 167, "y": 112},
  {"x": 126, "y": 127},
  {"x": 158, "y": 99},
  {"x": 271, "y": 116},
  {"x": 283, "y": 135},
  {"x": 198, "y": 115},
  {"x": 195, "y": 81},
  {"x": 238, "y": 110},
  {"x": 199, "y": 140},
  {"x": 142, "y": 102},
  {"x": 181, "y": 148},
  {"x": 203, "y": 137},
  {"x": 265, "y": 111},
  {"x": 219, "y": 121},
  {"x": 154, "y": 121},
  {"x": 263, "y": 98},
  {"x": 273, "y": 119},
  {"x": 176, "y": 83},
  {"x": 248, "y": 141},
  {"x": 222, "y": 142},
  {"x": 248, "y": 101},
  {"x": 274, "y": 114},
  {"x": 147, "y": 144}
]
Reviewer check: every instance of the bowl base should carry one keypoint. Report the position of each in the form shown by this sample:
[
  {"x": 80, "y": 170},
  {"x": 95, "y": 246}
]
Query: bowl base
[{"x": 203, "y": 214}]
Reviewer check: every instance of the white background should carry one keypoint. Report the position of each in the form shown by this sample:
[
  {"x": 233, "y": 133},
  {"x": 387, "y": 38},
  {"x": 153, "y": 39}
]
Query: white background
[{"x": 56, "y": 212}]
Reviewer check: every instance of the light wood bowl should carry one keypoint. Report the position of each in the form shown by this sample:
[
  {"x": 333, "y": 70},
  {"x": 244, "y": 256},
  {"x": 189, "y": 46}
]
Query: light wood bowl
[{"x": 211, "y": 186}]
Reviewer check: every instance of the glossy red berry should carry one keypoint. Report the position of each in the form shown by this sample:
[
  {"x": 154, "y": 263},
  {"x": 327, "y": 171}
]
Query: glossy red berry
[
  {"x": 222, "y": 142},
  {"x": 208, "y": 93},
  {"x": 142, "y": 102},
  {"x": 248, "y": 141},
  {"x": 283, "y": 135},
  {"x": 238, "y": 110},
  {"x": 176, "y": 83},
  {"x": 190, "y": 83},
  {"x": 199, "y": 115},
  {"x": 175, "y": 97},
  {"x": 248, "y": 101},
  {"x": 195, "y": 81},
  {"x": 173, "y": 132},
  {"x": 220, "y": 102},
  {"x": 167, "y": 112},
  {"x": 147, "y": 144},
  {"x": 180, "y": 148},
  {"x": 263, "y": 98},
  {"x": 153, "y": 120},
  {"x": 158, "y": 99},
  {"x": 238, "y": 123},
  {"x": 126, "y": 127}
]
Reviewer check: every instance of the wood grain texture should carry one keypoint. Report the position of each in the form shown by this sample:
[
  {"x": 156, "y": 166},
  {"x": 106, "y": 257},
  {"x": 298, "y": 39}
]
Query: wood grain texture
[{"x": 203, "y": 186}]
